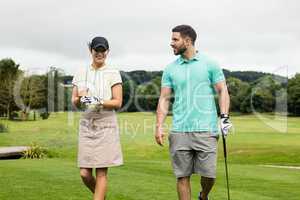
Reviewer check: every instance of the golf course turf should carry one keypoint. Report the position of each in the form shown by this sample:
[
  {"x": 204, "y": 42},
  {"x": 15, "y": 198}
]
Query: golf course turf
[{"x": 147, "y": 173}]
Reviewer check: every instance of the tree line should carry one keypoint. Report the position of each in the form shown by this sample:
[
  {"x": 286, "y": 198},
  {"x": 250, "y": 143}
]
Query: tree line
[{"x": 249, "y": 91}]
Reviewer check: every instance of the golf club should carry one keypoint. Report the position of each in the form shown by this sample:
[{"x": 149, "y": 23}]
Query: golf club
[{"x": 226, "y": 168}]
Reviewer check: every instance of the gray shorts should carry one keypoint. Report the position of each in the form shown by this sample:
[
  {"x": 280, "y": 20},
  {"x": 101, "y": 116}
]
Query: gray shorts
[{"x": 193, "y": 153}]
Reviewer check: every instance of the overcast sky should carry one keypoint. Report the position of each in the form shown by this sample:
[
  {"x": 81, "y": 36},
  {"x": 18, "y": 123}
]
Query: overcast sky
[{"x": 259, "y": 35}]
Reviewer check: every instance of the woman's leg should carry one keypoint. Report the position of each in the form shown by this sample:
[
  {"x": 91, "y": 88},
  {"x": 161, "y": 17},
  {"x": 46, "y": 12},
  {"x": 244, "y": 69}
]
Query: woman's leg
[
  {"x": 87, "y": 178},
  {"x": 101, "y": 184}
]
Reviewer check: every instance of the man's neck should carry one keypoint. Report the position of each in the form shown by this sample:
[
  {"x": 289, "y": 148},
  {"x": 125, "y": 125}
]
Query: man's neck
[{"x": 189, "y": 53}]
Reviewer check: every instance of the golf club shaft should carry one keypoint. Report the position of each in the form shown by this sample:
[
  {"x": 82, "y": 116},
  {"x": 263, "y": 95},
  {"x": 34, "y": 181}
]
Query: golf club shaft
[{"x": 226, "y": 168}]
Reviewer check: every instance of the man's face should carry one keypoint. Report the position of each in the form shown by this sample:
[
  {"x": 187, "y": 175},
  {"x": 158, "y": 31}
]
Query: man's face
[
  {"x": 99, "y": 56},
  {"x": 178, "y": 43}
]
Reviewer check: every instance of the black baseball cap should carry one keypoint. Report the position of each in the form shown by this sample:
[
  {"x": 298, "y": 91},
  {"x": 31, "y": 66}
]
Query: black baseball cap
[{"x": 99, "y": 43}]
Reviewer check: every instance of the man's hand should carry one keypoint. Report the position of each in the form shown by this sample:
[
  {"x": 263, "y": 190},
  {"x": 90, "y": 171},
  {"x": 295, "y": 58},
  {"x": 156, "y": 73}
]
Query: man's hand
[
  {"x": 225, "y": 124},
  {"x": 159, "y": 136}
]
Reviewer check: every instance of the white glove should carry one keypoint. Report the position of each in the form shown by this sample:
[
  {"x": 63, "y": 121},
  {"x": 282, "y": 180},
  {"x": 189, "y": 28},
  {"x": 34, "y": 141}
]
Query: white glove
[
  {"x": 93, "y": 100},
  {"x": 225, "y": 124}
]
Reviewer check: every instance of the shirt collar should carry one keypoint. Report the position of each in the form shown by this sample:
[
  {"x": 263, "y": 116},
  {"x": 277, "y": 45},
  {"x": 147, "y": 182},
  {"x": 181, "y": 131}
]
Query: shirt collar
[
  {"x": 101, "y": 68},
  {"x": 182, "y": 60}
]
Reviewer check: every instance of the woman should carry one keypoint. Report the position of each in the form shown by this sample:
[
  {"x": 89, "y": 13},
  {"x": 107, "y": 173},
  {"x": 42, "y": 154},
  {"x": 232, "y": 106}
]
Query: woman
[{"x": 99, "y": 88}]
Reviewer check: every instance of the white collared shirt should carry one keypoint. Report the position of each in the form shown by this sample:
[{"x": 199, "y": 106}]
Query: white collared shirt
[{"x": 98, "y": 81}]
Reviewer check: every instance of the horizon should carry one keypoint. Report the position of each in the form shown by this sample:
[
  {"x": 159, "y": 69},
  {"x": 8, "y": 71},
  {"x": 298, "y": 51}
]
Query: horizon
[{"x": 43, "y": 70}]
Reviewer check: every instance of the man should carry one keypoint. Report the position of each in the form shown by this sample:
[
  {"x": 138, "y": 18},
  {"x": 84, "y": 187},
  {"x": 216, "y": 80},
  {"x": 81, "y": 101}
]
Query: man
[{"x": 194, "y": 79}]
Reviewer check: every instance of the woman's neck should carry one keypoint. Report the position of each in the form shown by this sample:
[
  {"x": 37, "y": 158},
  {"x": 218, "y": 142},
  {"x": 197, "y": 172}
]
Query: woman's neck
[{"x": 97, "y": 65}]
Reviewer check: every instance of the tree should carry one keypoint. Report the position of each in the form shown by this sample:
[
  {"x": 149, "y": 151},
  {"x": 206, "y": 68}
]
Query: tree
[
  {"x": 33, "y": 93},
  {"x": 9, "y": 72},
  {"x": 129, "y": 88},
  {"x": 294, "y": 95},
  {"x": 262, "y": 95},
  {"x": 148, "y": 94},
  {"x": 238, "y": 91}
]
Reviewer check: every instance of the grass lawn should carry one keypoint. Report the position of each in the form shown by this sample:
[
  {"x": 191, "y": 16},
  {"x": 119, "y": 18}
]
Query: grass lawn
[{"x": 147, "y": 172}]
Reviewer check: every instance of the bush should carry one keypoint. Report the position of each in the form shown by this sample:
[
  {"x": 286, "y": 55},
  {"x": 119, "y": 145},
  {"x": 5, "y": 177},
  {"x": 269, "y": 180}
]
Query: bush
[
  {"x": 3, "y": 128},
  {"x": 35, "y": 151},
  {"x": 44, "y": 115},
  {"x": 14, "y": 115}
]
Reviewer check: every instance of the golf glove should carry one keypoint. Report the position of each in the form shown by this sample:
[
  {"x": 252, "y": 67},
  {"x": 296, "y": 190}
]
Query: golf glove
[
  {"x": 93, "y": 100},
  {"x": 225, "y": 124}
]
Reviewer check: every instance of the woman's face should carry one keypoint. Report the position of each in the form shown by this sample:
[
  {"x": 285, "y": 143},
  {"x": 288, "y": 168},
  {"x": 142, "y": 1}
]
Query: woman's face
[{"x": 99, "y": 56}]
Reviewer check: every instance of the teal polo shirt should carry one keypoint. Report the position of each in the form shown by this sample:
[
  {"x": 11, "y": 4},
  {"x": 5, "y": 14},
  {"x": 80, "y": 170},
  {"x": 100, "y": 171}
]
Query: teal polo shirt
[{"x": 192, "y": 81}]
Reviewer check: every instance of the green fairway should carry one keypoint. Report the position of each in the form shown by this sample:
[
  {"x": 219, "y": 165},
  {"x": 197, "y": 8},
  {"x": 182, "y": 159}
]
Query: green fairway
[{"x": 147, "y": 173}]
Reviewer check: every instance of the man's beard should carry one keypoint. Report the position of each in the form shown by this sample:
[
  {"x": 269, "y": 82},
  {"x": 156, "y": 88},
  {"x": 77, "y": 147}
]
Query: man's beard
[{"x": 180, "y": 51}]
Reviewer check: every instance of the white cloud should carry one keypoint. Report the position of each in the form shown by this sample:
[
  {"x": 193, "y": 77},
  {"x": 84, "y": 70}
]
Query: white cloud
[{"x": 241, "y": 35}]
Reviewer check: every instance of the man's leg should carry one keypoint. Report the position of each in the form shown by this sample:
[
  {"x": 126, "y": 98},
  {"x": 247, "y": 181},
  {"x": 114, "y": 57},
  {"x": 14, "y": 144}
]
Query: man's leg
[
  {"x": 207, "y": 184},
  {"x": 101, "y": 184},
  {"x": 184, "y": 188},
  {"x": 87, "y": 178},
  {"x": 206, "y": 161}
]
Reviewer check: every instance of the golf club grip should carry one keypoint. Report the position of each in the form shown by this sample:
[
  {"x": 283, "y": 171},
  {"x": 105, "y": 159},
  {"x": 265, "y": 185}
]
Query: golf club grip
[{"x": 224, "y": 145}]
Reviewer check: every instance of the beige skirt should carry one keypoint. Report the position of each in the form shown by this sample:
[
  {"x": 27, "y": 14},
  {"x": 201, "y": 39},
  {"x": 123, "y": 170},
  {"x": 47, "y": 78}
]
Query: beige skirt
[{"x": 99, "y": 140}]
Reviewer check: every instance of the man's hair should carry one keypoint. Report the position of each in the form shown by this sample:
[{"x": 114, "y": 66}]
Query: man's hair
[{"x": 186, "y": 31}]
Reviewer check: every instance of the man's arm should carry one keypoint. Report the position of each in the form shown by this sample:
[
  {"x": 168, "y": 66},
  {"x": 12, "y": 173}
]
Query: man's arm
[
  {"x": 161, "y": 113},
  {"x": 224, "y": 99},
  {"x": 224, "y": 102}
]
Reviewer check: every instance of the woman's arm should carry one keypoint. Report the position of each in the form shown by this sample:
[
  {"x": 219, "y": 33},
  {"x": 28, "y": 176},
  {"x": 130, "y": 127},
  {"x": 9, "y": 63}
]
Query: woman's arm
[
  {"x": 75, "y": 96},
  {"x": 117, "y": 97}
]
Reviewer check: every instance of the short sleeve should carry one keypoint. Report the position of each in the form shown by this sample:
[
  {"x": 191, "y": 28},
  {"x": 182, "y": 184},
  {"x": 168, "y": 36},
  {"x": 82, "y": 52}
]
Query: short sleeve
[
  {"x": 215, "y": 73},
  {"x": 80, "y": 78},
  {"x": 115, "y": 78},
  {"x": 166, "y": 80},
  {"x": 75, "y": 80}
]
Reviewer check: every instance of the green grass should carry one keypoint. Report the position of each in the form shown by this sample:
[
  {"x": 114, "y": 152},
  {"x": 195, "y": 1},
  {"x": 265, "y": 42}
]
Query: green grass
[{"x": 147, "y": 173}]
